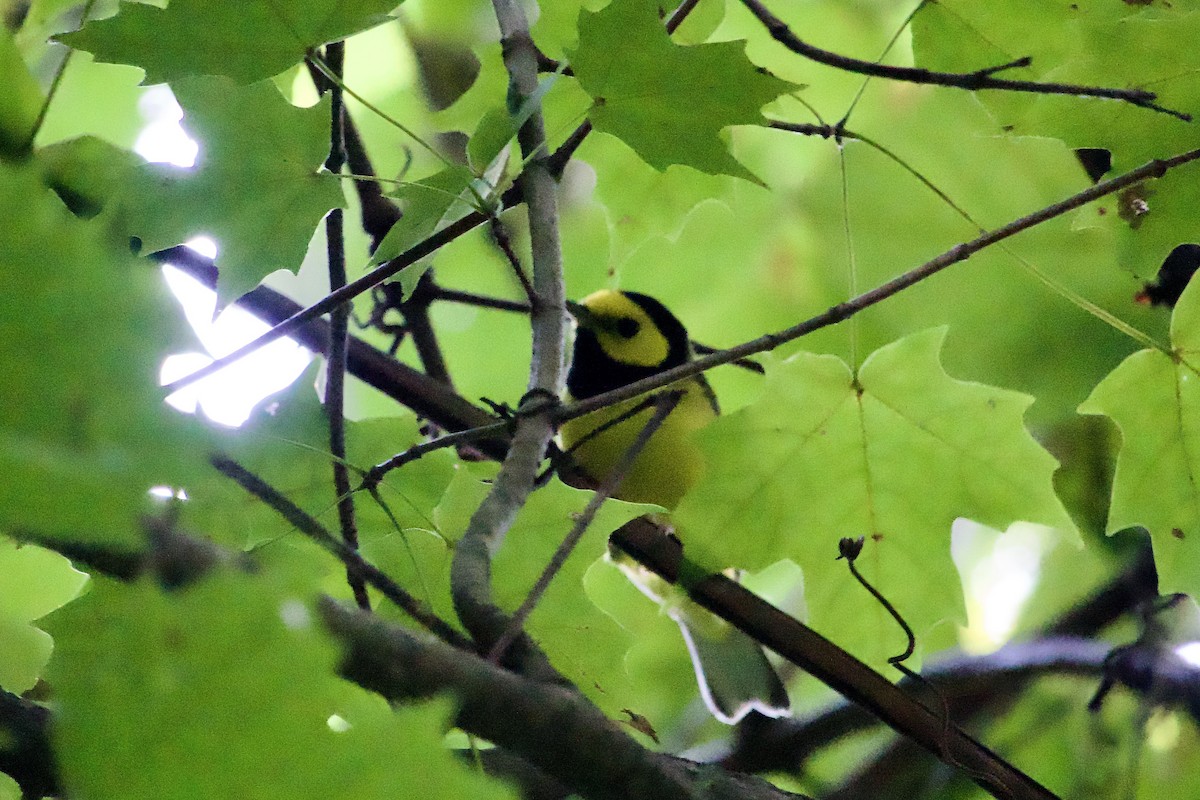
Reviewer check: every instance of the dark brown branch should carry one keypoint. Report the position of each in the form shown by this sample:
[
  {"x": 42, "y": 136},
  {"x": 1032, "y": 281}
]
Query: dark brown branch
[
  {"x": 973, "y": 687},
  {"x": 483, "y": 301},
  {"x": 973, "y": 81},
  {"x": 831, "y": 665},
  {"x": 418, "y": 324},
  {"x": 785, "y": 744},
  {"x": 345, "y": 294},
  {"x": 339, "y": 331}
]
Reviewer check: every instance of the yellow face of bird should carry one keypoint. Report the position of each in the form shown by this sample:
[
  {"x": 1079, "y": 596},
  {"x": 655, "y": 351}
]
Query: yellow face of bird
[
  {"x": 621, "y": 338},
  {"x": 624, "y": 330}
]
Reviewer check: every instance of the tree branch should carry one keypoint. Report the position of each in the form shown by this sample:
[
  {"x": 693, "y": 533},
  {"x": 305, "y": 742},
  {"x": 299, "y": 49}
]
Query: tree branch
[
  {"x": 830, "y": 664},
  {"x": 974, "y": 81},
  {"x": 406, "y": 385},
  {"x": 785, "y": 744},
  {"x": 470, "y": 573},
  {"x": 971, "y": 686},
  {"x": 857, "y": 685},
  {"x": 378, "y": 213},
  {"x": 514, "y": 196},
  {"x": 552, "y": 728},
  {"x": 339, "y": 330}
]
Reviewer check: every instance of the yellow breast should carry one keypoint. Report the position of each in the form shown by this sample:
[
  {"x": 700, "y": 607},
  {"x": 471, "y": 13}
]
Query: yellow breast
[{"x": 669, "y": 465}]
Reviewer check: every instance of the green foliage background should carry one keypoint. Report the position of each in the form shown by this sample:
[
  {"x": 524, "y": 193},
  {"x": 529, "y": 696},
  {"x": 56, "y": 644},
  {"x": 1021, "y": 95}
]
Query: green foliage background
[{"x": 951, "y": 399}]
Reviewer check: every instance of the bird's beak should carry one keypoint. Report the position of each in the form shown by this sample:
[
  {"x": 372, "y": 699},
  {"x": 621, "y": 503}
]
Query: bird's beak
[{"x": 583, "y": 316}]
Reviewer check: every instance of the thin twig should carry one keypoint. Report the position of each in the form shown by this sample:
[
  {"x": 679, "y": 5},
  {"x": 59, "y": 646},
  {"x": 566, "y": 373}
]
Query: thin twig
[
  {"x": 849, "y": 550},
  {"x": 483, "y": 301},
  {"x": 843, "y": 311},
  {"x": 1058, "y": 288},
  {"x": 420, "y": 327},
  {"x": 354, "y": 562},
  {"x": 836, "y": 132},
  {"x": 377, "y": 212},
  {"x": 504, "y": 242},
  {"x": 339, "y": 331},
  {"x": 377, "y": 472},
  {"x": 887, "y": 48},
  {"x": 974, "y": 81},
  {"x": 663, "y": 406},
  {"x": 744, "y": 363}
]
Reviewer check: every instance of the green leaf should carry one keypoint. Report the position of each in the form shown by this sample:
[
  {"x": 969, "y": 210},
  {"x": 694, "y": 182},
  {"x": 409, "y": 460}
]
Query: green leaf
[
  {"x": 1154, "y": 398},
  {"x": 20, "y": 101},
  {"x": 87, "y": 172},
  {"x": 246, "y": 41},
  {"x": 257, "y": 187},
  {"x": 36, "y": 581},
  {"x": 894, "y": 454},
  {"x": 227, "y": 689},
  {"x": 95, "y": 99},
  {"x": 632, "y": 70},
  {"x": 425, "y": 204},
  {"x": 83, "y": 416}
]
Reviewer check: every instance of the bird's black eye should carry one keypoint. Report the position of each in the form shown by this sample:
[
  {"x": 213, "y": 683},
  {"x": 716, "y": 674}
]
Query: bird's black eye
[{"x": 628, "y": 327}]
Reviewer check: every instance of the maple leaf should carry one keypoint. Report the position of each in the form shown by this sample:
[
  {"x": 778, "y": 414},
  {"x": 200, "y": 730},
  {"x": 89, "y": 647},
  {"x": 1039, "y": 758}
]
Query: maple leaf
[
  {"x": 895, "y": 453},
  {"x": 246, "y": 41},
  {"x": 635, "y": 74},
  {"x": 1154, "y": 398}
]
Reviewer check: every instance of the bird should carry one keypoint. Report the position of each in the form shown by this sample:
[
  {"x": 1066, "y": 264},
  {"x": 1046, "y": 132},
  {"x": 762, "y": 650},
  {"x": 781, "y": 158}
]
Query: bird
[{"x": 622, "y": 337}]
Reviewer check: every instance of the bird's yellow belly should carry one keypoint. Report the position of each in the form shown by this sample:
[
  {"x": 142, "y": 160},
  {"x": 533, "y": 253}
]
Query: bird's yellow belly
[{"x": 669, "y": 465}]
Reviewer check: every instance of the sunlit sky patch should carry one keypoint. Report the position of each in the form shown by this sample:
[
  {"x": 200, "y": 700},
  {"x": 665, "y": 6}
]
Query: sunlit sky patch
[{"x": 229, "y": 396}]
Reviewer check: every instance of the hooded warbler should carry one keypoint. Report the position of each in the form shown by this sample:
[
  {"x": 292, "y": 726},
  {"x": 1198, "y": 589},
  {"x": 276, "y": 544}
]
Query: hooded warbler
[{"x": 622, "y": 337}]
